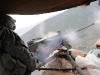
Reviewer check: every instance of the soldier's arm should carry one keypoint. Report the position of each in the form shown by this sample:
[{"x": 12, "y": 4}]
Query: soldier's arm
[{"x": 15, "y": 47}]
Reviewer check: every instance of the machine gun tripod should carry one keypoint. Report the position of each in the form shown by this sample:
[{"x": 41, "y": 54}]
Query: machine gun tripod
[{"x": 66, "y": 55}]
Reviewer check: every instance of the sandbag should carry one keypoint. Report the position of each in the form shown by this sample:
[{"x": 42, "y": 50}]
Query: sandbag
[
  {"x": 91, "y": 62},
  {"x": 75, "y": 53}
]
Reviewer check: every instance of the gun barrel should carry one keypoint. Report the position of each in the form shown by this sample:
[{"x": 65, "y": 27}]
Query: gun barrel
[{"x": 85, "y": 27}]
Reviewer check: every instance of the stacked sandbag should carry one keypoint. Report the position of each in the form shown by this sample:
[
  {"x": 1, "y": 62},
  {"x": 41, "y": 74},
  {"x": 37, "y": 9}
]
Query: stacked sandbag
[{"x": 75, "y": 53}]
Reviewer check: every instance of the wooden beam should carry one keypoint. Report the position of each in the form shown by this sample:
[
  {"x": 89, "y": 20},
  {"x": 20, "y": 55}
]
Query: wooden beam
[{"x": 38, "y": 6}]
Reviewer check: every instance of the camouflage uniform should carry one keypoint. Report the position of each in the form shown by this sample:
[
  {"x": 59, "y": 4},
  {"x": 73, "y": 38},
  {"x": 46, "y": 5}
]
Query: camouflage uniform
[{"x": 15, "y": 58}]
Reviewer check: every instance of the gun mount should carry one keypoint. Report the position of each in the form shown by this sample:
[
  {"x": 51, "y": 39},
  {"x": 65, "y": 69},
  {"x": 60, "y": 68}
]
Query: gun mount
[{"x": 63, "y": 53}]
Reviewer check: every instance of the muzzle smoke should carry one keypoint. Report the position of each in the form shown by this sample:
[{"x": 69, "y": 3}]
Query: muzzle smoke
[
  {"x": 53, "y": 41},
  {"x": 50, "y": 44},
  {"x": 98, "y": 21}
]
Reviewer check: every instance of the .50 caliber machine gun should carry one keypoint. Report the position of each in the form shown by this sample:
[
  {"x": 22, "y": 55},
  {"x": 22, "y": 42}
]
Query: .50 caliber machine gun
[
  {"x": 43, "y": 47},
  {"x": 53, "y": 42}
]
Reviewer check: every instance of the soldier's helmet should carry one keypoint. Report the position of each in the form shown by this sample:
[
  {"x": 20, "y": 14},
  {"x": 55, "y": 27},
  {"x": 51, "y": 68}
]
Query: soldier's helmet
[{"x": 7, "y": 21}]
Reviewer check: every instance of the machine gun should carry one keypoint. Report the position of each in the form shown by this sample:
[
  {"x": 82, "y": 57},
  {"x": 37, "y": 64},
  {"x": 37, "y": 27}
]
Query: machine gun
[
  {"x": 43, "y": 47},
  {"x": 55, "y": 41}
]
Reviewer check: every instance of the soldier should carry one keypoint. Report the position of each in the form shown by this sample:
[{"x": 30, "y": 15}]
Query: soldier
[{"x": 15, "y": 57}]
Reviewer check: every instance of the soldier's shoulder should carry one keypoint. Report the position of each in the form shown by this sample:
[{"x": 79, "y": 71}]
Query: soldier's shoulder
[{"x": 7, "y": 31}]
